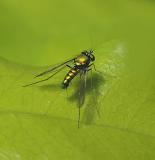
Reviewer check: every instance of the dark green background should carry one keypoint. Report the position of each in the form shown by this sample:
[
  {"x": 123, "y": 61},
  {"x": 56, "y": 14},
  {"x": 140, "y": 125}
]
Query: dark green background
[{"x": 40, "y": 32}]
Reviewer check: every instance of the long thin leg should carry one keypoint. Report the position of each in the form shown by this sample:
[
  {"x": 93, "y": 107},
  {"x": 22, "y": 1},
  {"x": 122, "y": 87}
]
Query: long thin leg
[
  {"x": 90, "y": 69},
  {"x": 91, "y": 78},
  {"x": 43, "y": 79},
  {"x": 85, "y": 79},
  {"x": 83, "y": 85},
  {"x": 66, "y": 92},
  {"x": 113, "y": 76},
  {"x": 79, "y": 116},
  {"x": 79, "y": 106},
  {"x": 92, "y": 64}
]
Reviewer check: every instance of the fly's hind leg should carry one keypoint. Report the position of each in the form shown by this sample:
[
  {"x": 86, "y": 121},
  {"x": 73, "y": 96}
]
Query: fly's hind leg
[
  {"x": 90, "y": 69},
  {"x": 79, "y": 106},
  {"x": 83, "y": 81},
  {"x": 79, "y": 116}
]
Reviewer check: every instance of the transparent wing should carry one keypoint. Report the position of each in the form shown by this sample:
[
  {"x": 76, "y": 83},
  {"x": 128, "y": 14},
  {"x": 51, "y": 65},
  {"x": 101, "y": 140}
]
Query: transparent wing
[
  {"x": 55, "y": 67},
  {"x": 43, "y": 80}
]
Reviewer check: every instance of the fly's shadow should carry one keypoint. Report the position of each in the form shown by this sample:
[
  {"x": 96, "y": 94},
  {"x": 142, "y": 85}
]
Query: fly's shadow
[
  {"x": 86, "y": 97},
  {"x": 49, "y": 87},
  {"x": 91, "y": 90}
]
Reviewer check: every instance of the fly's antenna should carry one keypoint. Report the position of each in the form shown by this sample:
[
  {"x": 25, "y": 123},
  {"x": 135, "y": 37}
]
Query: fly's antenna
[
  {"x": 92, "y": 45},
  {"x": 91, "y": 51}
]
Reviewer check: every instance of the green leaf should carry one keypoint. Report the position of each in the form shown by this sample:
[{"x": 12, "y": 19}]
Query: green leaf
[
  {"x": 117, "y": 118},
  {"x": 40, "y": 122}
]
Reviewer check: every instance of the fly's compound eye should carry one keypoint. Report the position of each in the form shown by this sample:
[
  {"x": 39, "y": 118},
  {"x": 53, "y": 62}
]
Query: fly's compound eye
[
  {"x": 84, "y": 52},
  {"x": 92, "y": 57}
]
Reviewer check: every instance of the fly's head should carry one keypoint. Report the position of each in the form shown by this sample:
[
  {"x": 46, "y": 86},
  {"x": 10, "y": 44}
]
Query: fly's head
[{"x": 89, "y": 54}]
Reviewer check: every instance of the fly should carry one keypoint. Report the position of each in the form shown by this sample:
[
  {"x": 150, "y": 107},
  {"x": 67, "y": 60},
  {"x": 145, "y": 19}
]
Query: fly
[{"x": 81, "y": 64}]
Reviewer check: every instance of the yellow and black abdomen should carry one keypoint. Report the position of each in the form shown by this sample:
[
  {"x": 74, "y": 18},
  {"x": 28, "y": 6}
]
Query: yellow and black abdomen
[{"x": 70, "y": 75}]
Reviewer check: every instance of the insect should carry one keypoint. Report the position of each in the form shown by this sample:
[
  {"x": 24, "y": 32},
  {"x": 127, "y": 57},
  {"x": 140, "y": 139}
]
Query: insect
[{"x": 81, "y": 64}]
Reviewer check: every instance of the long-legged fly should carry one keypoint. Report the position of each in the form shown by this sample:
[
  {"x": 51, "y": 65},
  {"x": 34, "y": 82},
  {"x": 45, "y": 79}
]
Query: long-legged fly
[{"x": 81, "y": 65}]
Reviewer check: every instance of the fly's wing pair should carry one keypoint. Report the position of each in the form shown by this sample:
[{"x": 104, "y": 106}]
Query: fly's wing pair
[{"x": 56, "y": 69}]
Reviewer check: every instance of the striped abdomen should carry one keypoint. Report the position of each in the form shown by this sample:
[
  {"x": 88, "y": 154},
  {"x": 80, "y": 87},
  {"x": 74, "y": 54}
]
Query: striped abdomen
[{"x": 70, "y": 75}]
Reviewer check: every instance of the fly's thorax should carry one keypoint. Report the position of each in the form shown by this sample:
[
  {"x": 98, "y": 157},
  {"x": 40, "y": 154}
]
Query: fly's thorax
[{"x": 82, "y": 60}]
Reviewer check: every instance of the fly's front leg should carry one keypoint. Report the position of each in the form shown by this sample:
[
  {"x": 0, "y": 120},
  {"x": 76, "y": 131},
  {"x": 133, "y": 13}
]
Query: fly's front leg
[
  {"x": 92, "y": 64},
  {"x": 94, "y": 67}
]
